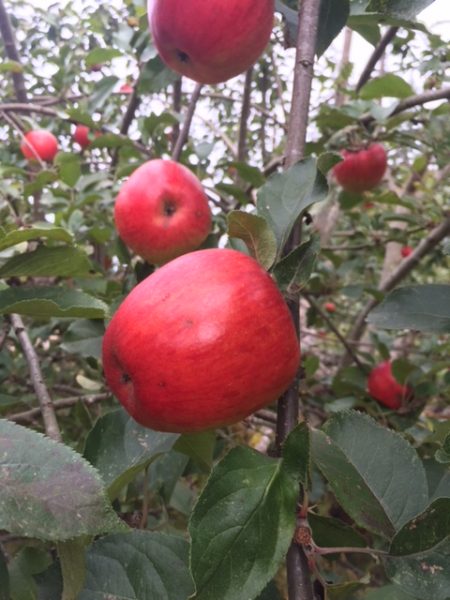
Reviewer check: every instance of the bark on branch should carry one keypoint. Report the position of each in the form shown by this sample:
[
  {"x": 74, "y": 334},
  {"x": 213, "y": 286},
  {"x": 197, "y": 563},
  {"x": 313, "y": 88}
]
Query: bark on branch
[
  {"x": 12, "y": 53},
  {"x": 376, "y": 55},
  {"x": 184, "y": 133}
]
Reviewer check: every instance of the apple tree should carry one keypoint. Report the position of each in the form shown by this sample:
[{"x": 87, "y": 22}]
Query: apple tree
[{"x": 332, "y": 174}]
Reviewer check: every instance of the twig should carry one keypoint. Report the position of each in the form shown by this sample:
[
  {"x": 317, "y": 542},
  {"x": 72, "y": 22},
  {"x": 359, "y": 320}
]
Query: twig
[
  {"x": 245, "y": 113},
  {"x": 146, "y": 501},
  {"x": 11, "y": 52},
  {"x": 45, "y": 401},
  {"x": 29, "y": 415},
  {"x": 184, "y": 133},
  {"x": 132, "y": 107},
  {"x": 176, "y": 106},
  {"x": 347, "y": 550},
  {"x": 376, "y": 55}
]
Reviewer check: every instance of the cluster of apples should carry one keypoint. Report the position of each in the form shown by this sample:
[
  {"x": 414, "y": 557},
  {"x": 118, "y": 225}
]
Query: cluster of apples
[{"x": 42, "y": 144}]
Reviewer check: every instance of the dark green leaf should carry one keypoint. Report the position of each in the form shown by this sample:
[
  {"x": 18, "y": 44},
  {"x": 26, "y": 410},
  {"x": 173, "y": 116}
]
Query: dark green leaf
[
  {"x": 403, "y": 9},
  {"x": 257, "y": 235},
  {"x": 39, "y": 230},
  {"x": 4, "y": 578},
  {"x": 69, "y": 167},
  {"x": 49, "y": 491},
  {"x": 327, "y": 161},
  {"x": 328, "y": 532},
  {"x": 101, "y": 55},
  {"x": 120, "y": 448},
  {"x": 45, "y": 302},
  {"x": 242, "y": 525},
  {"x": 198, "y": 446},
  {"x": 390, "y": 86},
  {"x": 375, "y": 474},
  {"x": 64, "y": 261},
  {"x": 102, "y": 92},
  {"x": 418, "y": 307},
  {"x": 388, "y": 592},
  {"x": 297, "y": 453},
  {"x": 294, "y": 270},
  {"x": 84, "y": 338},
  {"x": 140, "y": 565},
  {"x": 155, "y": 76}
]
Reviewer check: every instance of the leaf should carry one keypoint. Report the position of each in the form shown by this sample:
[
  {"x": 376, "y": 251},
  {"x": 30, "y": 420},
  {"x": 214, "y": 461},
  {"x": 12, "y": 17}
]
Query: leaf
[
  {"x": 403, "y": 9},
  {"x": 120, "y": 448},
  {"x": 40, "y": 230},
  {"x": 438, "y": 476},
  {"x": 286, "y": 195},
  {"x": 386, "y": 86},
  {"x": 101, "y": 55},
  {"x": 4, "y": 578},
  {"x": 139, "y": 565},
  {"x": 375, "y": 474},
  {"x": 294, "y": 270},
  {"x": 84, "y": 338},
  {"x": 69, "y": 167},
  {"x": 297, "y": 453},
  {"x": 49, "y": 491},
  {"x": 417, "y": 307},
  {"x": 198, "y": 446},
  {"x": 426, "y": 575},
  {"x": 155, "y": 76},
  {"x": 102, "y": 92},
  {"x": 46, "y": 302},
  {"x": 257, "y": 235},
  {"x": 65, "y": 261},
  {"x": 424, "y": 532},
  {"x": 388, "y": 592},
  {"x": 72, "y": 558},
  {"x": 328, "y": 532},
  {"x": 242, "y": 525}
]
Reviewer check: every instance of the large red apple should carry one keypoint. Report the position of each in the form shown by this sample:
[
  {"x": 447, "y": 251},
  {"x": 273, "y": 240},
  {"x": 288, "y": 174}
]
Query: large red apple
[
  {"x": 210, "y": 41},
  {"x": 162, "y": 211},
  {"x": 39, "y": 144},
  {"x": 384, "y": 388},
  {"x": 202, "y": 342},
  {"x": 361, "y": 170}
]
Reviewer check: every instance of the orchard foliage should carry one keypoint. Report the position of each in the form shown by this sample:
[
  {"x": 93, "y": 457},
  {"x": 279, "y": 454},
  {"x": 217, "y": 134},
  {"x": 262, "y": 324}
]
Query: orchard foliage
[{"x": 109, "y": 509}]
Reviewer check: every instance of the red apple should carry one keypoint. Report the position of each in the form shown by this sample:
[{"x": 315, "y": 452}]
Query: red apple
[
  {"x": 330, "y": 307},
  {"x": 39, "y": 144},
  {"x": 202, "y": 342},
  {"x": 210, "y": 41},
  {"x": 126, "y": 89},
  {"x": 162, "y": 211},
  {"x": 384, "y": 388},
  {"x": 406, "y": 251},
  {"x": 361, "y": 170},
  {"x": 82, "y": 136}
]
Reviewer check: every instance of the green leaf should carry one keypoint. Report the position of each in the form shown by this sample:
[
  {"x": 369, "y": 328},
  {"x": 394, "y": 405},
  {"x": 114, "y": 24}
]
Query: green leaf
[
  {"x": 120, "y": 448},
  {"x": 37, "y": 231},
  {"x": 64, "y": 261},
  {"x": 388, "y": 592},
  {"x": 198, "y": 446},
  {"x": 297, "y": 453},
  {"x": 328, "y": 532},
  {"x": 250, "y": 174},
  {"x": 4, "y": 578},
  {"x": 48, "y": 490},
  {"x": 155, "y": 76},
  {"x": 327, "y": 161},
  {"x": 417, "y": 307},
  {"x": 11, "y": 66},
  {"x": 102, "y": 92},
  {"x": 72, "y": 558},
  {"x": 69, "y": 167},
  {"x": 423, "y": 575},
  {"x": 375, "y": 474},
  {"x": 286, "y": 195},
  {"x": 257, "y": 235},
  {"x": 242, "y": 525},
  {"x": 438, "y": 476},
  {"x": 294, "y": 270},
  {"x": 46, "y": 302},
  {"x": 27, "y": 563},
  {"x": 386, "y": 86},
  {"x": 101, "y": 55},
  {"x": 403, "y": 9},
  {"x": 84, "y": 338},
  {"x": 424, "y": 532},
  {"x": 139, "y": 565}
]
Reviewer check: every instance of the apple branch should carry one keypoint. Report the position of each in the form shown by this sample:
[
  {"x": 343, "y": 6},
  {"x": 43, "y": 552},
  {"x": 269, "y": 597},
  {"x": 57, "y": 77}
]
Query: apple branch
[
  {"x": 184, "y": 133},
  {"x": 12, "y": 53},
  {"x": 376, "y": 55},
  {"x": 176, "y": 106},
  {"x": 245, "y": 113},
  {"x": 29, "y": 415},
  {"x": 46, "y": 405},
  {"x": 405, "y": 267},
  {"x": 412, "y": 101}
]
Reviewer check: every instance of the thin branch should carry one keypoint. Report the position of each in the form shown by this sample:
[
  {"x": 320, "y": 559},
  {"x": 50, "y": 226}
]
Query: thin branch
[
  {"x": 176, "y": 107},
  {"x": 348, "y": 550},
  {"x": 12, "y": 53},
  {"x": 29, "y": 415},
  {"x": 45, "y": 401},
  {"x": 184, "y": 133},
  {"x": 245, "y": 114},
  {"x": 132, "y": 107},
  {"x": 443, "y": 94},
  {"x": 403, "y": 270},
  {"x": 376, "y": 55}
]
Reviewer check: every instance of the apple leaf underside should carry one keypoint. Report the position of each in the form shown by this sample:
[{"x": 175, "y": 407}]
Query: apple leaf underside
[{"x": 257, "y": 235}]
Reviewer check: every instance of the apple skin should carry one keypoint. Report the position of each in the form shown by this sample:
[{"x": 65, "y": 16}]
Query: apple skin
[
  {"x": 406, "y": 251},
  {"x": 210, "y": 41},
  {"x": 361, "y": 170},
  {"x": 81, "y": 136},
  {"x": 202, "y": 342},
  {"x": 384, "y": 388},
  {"x": 126, "y": 89},
  {"x": 44, "y": 143},
  {"x": 330, "y": 307},
  {"x": 162, "y": 211}
]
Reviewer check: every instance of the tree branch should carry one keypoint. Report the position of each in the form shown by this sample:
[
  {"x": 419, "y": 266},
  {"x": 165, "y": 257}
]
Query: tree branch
[
  {"x": 443, "y": 94},
  {"x": 29, "y": 415},
  {"x": 184, "y": 133},
  {"x": 12, "y": 53},
  {"x": 245, "y": 113},
  {"x": 376, "y": 55},
  {"x": 45, "y": 401}
]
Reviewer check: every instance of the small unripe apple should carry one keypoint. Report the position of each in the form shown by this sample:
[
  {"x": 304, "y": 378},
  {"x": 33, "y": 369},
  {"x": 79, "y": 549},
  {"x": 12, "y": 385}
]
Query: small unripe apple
[
  {"x": 39, "y": 144},
  {"x": 210, "y": 41},
  {"x": 202, "y": 342},
  {"x": 384, "y": 388},
  {"x": 406, "y": 251},
  {"x": 361, "y": 170},
  {"x": 162, "y": 211},
  {"x": 330, "y": 307}
]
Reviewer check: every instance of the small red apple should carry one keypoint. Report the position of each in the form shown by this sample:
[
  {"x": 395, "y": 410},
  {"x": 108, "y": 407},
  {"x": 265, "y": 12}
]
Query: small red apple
[
  {"x": 82, "y": 136},
  {"x": 361, "y": 170},
  {"x": 39, "y": 144},
  {"x": 210, "y": 41},
  {"x": 126, "y": 89},
  {"x": 162, "y": 211},
  {"x": 330, "y": 307},
  {"x": 406, "y": 251},
  {"x": 384, "y": 388},
  {"x": 202, "y": 342}
]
